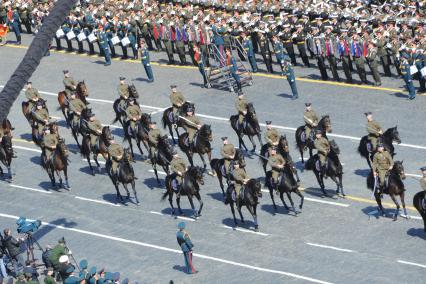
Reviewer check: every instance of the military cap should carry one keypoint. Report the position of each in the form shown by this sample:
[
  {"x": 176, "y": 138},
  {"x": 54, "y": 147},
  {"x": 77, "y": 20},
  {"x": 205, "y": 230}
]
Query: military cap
[
  {"x": 368, "y": 113},
  {"x": 66, "y": 71},
  {"x": 308, "y": 104},
  {"x": 50, "y": 269},
  {"x": 153, "y": 122},
  {"x": 423, "y": 169},
  {"x": 29, "y": 83},
  {"x": 181, "y": 225},
  {"x": 39, "y": 103},
  {"x": 224, "y": 138},
  {"x": 379, "y": 145},
  {"x": 92, "y": 114},
  {"x": 173, "y": 86},
  {"x": 83, "y": 264},
  {"x": 122, "y": 78},
  {"x": 268, "y": 122},
  {"x": 101, "y": 271},
  {"x": 274, "y": 148},
  {"x": 190, "y": 109}
]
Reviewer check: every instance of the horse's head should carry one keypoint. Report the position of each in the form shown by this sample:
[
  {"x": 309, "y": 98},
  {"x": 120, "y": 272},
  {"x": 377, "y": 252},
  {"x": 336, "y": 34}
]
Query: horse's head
[
  {"x": 334, "y": 147},
  {"x": 81, "y": 86},
  {"x": 133, "y": 91},
  {"x": 53, "y": 127},
  {"x": 395, "y": 134},
  {"x": 106, "y": 133},
  {"x": 197, "y": 173},
  {"x": 62, "y": 148},
  {"x": 165, "y": 144},
  {"x": 86, "y": 113},
  {"x": 127, "y": 156},
  {"x": 239, "y": 157},
  {"x": 187, "y": 105},
  {"x": 146, "y": 119},
  {"x": 325, "y": 123},
  {"x": 252, "y": 116},
  {"x": 256, "y": 186},
  {"x": 398, "y": 169},
  {"x": 206, "y": 131},
  {"x": 283, "y": 143}
]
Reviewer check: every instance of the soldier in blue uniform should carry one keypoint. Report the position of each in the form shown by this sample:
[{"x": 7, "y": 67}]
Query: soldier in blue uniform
[
  {"x": 233, "y": 68},
  {"x": 144, "y": 56},
  {"x": 109, "y": 30},
  {"x": 103, "y": 42},
  {"x": 185, "y": 243},
  {"x": 200, "y": 62},
  {"x": 218, "y": 40},
  {"x": 289, "y": 73},
  {"x": 419, "y": 59},
  {"x": 66, "y": 27},
  {"x": 14, "y": 23},
  {"x": 279, "y": 52},
  {"x": 248, "y": 47},
  {"x": 406, "y": 75},
  {"x": 89, "y": 24}
]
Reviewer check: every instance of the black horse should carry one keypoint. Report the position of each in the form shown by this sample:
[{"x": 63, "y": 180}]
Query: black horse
[
  {"x": 391, "y": 135},
  {"x": 334, "y": 168},
  {"x": 287, "y": 184},
  {"x": 419, "y": 202},
  {"x": 58, "y": 163},
  {"x": 249, "y": 198},
  {"x": 394, "y": 186},
  {"x": 6, "y": 155},
  {"x": 168, "y": 119},
  {"x": 218, "y": 166},
  {"x": 251, "y": 127},
  {"x": 101, "y": 148},
  {"x": 201, "y": 145},
  {"x": 125, "y": 175},
  {"x": 140, "y": 133},
  {"x": 80, "y": 128},
  {"x": 303, "y": 142},
  {"x": 163, "y": 156},
  {"x": 120, "y": 114},
  {"x": 191, "y": 182}
]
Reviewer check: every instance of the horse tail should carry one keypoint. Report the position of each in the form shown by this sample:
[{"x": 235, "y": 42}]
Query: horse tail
[{"x": 164, "y": 118}]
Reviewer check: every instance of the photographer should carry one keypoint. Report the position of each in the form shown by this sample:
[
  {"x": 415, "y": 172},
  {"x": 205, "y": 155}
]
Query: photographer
[
  {"x": 55, "y": 254},
  {"x": 3, "y": 272},
  {"x": 13, "y": 247}
]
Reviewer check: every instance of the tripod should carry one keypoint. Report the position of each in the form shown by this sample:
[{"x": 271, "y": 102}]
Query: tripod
[{"x": 30, "y": 241}]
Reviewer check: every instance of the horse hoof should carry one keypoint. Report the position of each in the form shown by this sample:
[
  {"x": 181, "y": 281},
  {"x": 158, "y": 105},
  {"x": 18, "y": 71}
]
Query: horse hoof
[{"x": 256, "y": 229}]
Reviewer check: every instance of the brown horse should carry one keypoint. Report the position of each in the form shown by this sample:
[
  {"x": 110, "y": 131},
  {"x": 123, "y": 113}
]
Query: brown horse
[
  {"x": 419, "y": 202},
  {"x": 100, "y": 148},
  {"x": 28, "y": 112},
  {"x": 58, "y": 164},
  {"x": 81, "y": 93}
]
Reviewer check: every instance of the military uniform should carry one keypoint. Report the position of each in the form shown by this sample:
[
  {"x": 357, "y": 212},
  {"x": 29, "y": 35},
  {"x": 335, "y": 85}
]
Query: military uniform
[
  {"x": 153, "y": 137},
  {"x": 311, "y": 121},
  {"x": 95, "y": 128},
  {"x": 373, "y": 129},
  {"x": 272, "y": 137},
  {"x": 49, "y": 143},
  {"x": 191, "y": 127},
  {"x": 228, "y": 154},
  {"x": 408, "y": 78},
  {"x": 41, "y": 116},
  {"x": 248, "y": 48},
  {"x": 178, "y": 166},
  {"x": 323, "y": 147},
  {"x": 32, "y": 95},
  {"x": 123, "y": 91},
  {"x": 382, "y": 162},
  {"x": 423, "y": 183},
  {"x": 116, "y": 153},
  {"x": 144, "y": 56},
  {"x": 70, "y": 86},
  {"x": 241, "y": 106},
  {"x": 373, "y": 64},
  {"x": 177, "y": 100},
  {"x": 291, "y": 79},
  {"x": 265, "y": 51},
  {"x": 239, "y": 176},
  {"x": 276, "y": 162},
  {"x": 76, "y": 106},
  {"x": 133, "y": 113}
]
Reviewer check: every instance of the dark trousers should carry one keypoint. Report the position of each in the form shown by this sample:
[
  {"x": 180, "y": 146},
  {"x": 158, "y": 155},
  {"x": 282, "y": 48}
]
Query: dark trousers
[
  {"x": 386, "y": 65},
  {"x": 148, "y": 70},
  {"x": 268, "y": 61},
  {"x": 290, "y": 50},
  {"x": 322, "y": 68},
  {"x": 346, "y": 61},
  {"x": 360, "y": 68},
  {"x": 333, "y": 66},
  {"x": 303, "y": 55}
]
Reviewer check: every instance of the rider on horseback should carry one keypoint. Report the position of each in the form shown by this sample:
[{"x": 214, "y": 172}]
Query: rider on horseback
[
  {"x": 40, "y": 117},
  {"x": 134, "y": 113},
  {"x": 32, "y": 96},
  {"x": 154, "y": 135},
  {"x": 311, "y": 120},
  {"x": 76, "y": 106},
  {"x": 323, "y": 148},
  {"x": 241, "y": 106},
  {"x": 116, "y": 153},
  {"x": 177, "y": 100},
  {"x": 192, "y": 124},
  {"x": 272, "y": 136},
  {"x": 123, "y": 91},
  {"x": 178, "y": 166},
  {"x": 228, "y": 154},
  {"x": 50, "y": 140},
  {"x": 240, "y": 179},
  {"x": 95, "y": 130},
  {"x": 374, "y": 130},
  {"x": 69, "y": 83},
  {"x": 382, "y": 164},
  {"x": 277, "y": 163}
]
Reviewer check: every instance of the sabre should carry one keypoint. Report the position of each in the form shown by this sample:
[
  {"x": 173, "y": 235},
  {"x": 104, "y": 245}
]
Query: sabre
[
  {"x": 187, "y": 120},
  {"x": 374, "y": 187}
]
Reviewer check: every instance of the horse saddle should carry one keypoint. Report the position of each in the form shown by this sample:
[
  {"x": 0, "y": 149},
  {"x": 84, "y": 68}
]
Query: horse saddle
[
  {"x": 318, "y": 165},
  {"x": 172, "y": 117},
  {"x": 369, "y": 147},
  {"x": 303, "y": 136},
  {"x": 234, "y": 194},
  {"x": 175, "y": 185}
]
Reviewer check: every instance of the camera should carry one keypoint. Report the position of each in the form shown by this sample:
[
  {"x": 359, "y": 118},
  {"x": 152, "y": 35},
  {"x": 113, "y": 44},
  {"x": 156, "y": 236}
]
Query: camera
[{"x": 25, "y": 227}]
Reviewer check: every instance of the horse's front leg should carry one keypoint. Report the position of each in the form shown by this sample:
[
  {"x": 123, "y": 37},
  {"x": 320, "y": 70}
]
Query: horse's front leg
[
  {"x": 178, "y": 204},
  {"x": 203, "y": 160},
  {"x": 252, "y": 143},
  {"x": 271, "y": 193},
  {"x": 282, "y": 199},
  {"x": 154, "y": 166},
  {"x": 320, "y": 182},
  {"x": 252, "y": 211},
  {"x": 138, "y": 144},
  {"x": 134, "y": 192},
  {"x": 191, "y": 202},
  {"x": 171, "y": 201},
  {"x": 197, "y": 195},
  {"x": 302, "y": 198},
  {"x": 241, "y": 142},
  {"x": 402, "y": 197},
  {"x": 58, "y": 173},
  {"x": 291, "y": 202},
  {"x": 395, "y": 216},
  {"x": 95, "y": 158},
  {"x": 127, "y": 190},
  {"x": 233, "y": 212},
  {"x": 67, "y": 184},
  {"x": 379, "y": 203}
]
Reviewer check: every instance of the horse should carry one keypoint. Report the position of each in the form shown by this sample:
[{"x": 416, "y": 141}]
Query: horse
[
  {"x": 6, "y": 155},
  {"x": 394, "y": 186},
  {"x": 120, "y": 114},
  {"x": 141, "y": 133},
  {"x": 58, "y": 163},
  {"x": 168, "y": 119},
  {"x": 334, "y": 168},
  {"x": 389, "y": 136},
  {"x": 81, "y": 93},
  {"x": 125, "y": 175},
  {"x": 251, "y": 127},
  {"x": 201, "y": 145},
  {"x": 28, "y": 112},
  {"x": 163, "y": 156},
  {"x": 303, "y": 142},
  {"x": 81, "y": 128},
  {"x": 101, "y": 148},
  {"x": 286, "y": 184},
  {"x": 249, "y": 198},
  {"x": 419, "y": 202},
  {"x": 218, "y": 166},
  {"x": 192, "y": 179}
]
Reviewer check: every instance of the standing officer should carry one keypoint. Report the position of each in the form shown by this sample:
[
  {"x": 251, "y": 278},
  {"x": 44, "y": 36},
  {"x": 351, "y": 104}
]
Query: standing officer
[
  {"x": 115, "y": 152},
  {"x": 319, "y": 54},
  {"x": 408, "y": 78},
  {"x": 228, "y": 154},
  {"x": 311, "y": 120},
  {"x": 264, "y": 49},
  {"x": 372, "y": 63},
  {"x": 185, "y": 243},
  {"x": 287, "y": 38},
  {"x": 95, "y": 130},
  {"x": 291, "y": 78},
  {"x": 382, "y": 163},
  {"x": 199, "y": 60},
  {"x": 248, "y": 48},
  {"x": 277, "y": 163},
  {"x": 144, "y": 56},
  {"x": 154, "y": 135},
  {"x": 76, "y": 106},
  {"x": 279, "y": 52},
  {"x": 123, "y": 91},
  {"x": 69, "y": 83},
  {"x": 330, "y": 52},
  {"x": 357, "y": 52},
  {"x": 14, "y": 22},
  {"x": 177, "y": 99},
  {"x": 134, "y": 114},
  {"x": 241, "y": 106},
  {"x": 323, "y": 148},
  {"x": 49, "y": 143},
  {"x": 240, "y": 179},
  {"x": 191, "y": 124},
  {"x": 345, "y": 56},
  {"x": 178, "y": 166},
  {"x": 374, "y": 130},
  {"x": 103, "y": 43},
  {"x": 382, "y": 53},
  {"x": 233, "y": 68},
  {"x": 300, "y": 42},
  {"x": 272, "y": 136}
]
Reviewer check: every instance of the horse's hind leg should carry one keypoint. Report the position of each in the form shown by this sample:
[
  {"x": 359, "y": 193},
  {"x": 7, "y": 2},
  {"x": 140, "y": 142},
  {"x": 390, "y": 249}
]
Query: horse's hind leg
[
  {"x": 138, "y": 143},
  {"x": 282, "y": 199},
  {"x": 192, "y": 206},
  {"x": 203, "y": 160},
  {"x": 197, "y": 195},
  {"x": 58, "y": 173},
  {"x": 178, "y": 204},
  {"x": 402, "y": 197},
  {"x": 67, "y": 184},
  {"x": 135, "y": 193},
  {"x": 233, "y": 212},
  {"x": 253, "y": 213},
  {"x": 171, "y": 133},
  {"x": 252, "y": 143},
  {"x": 127, "y": 190},
  {"x": 291, "y": 202},
  {"x": 171, "y": 202},
  {"x": 379, "y": 203},
  {"x": 395, "y": 216},
  {"x": 297, "y": 191},
  {"x": 271, "y": 193}
]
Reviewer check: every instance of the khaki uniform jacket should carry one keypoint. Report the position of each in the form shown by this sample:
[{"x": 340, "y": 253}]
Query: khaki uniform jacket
[
  {"x": 373, "y": 128},
  {"x": 239, "y": 176},
  {"x": 241, "y": 105},
  {"x": 382, "y": 161},
  {"x": 153, "y": 136},
  {"x": 310, "y": 118},
  {"x": 115, "y": 150},
  {"x": 177, "y": 99},
  {"x": 178, "y": 165},
  {"x": 32, "y": 94},
  {"x": 322, "y": 146},
  {"x": 50, "y": 140},
  {"x": 275, "y": 161},
  {"x": 123, "y": 91},
  {"x": 70, "y": 84},
  {"x": 191, "y": 127},
  {"x": 423, "y": 183},
  {"x": 94, "y": 126},
  {"x": 227, "y": 151},
  {"x": 133, "y": 111},
  {"x": 41, "y": 115},
  {"x": 76, "y": 105},
  {"x": 272, "y": 136}
]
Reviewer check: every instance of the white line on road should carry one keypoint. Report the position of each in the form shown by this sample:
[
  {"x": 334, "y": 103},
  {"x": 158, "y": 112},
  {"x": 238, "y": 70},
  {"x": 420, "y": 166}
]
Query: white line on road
[
  {"x": 246, "y": 231},
  {"x": 411, "y": 217},
  {"x": 329, "y": 247},
  {"x": 179, "y": 217},
  {"x": 96, "y": 201},
  {"x": 26, "y": 148},
  {"x": 159, "y": 172},
  {"x": 319, "y": 200},
  {"x": 411, "y": 263},
  {"x": 91, "y": 160},
  {"x": 414, "y": 175},
  {"x": 29, "y": 188},
  {"x": 142, "y": 244}
]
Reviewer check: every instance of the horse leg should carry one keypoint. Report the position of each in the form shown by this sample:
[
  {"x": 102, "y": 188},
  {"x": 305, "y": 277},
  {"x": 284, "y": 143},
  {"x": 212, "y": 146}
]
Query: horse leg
[
  {"x": 341, "y": 184},
  {"x": 191, "y": 202},
  {"x": 58, "y": 173},
  {"x": 90, "y": 164},
  {"x": 219, "y": 177},
  {"x": 201, "y": 203},
  {"x": 291, "y": 202},
  {"x": 203, "y": 160},
  {"x": 171, "y": 133},
  {"x": 379, "y": 203},
  {"x": 310, "y": 152},
  {"x": 241, "y": 141},
  {"x": 178, "y": 204},
  {"x": 402, "y": 197},
  {"x": 271, "y": 193},
  {"x": 320, "y": 182},
  {"x": 395, "y": 216},
  {"x": 301, "y": 154},
  {"x": 134, "y": 192},
  {"x": 282, "y": 199},
  {"x": 154, "y": 166},
  {"x": 171, "y": 202},
  {"x": 334, "y": 178},
  {"x": 127, "y": 190},
  {"x": 260, "y": 140},
  {"x": 129, "y": 139},
  {"x": 209, "y": 156},
  {"x": 233, "y": 212},
  {"x": 189, "y": 155},
  {"x": 138, "y": 144},
  {"x": 67, "y": 184},
  {"x": 241, "y": 214},
  {"x": 252, "y": 143},
  {"x": 253, "y": 213},
  {"x": 302, "y": 198},
  {"x": 95, "y": 157}
]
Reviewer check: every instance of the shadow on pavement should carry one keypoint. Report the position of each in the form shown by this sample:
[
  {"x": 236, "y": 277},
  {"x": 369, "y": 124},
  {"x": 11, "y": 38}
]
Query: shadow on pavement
[
  {"x": 248, "y": 224},
  {"x": 372, "y": 211},
  {"x": 417, "y": 232},
  {"x": 314, "y": 191},
  {"x": 44, "y": 230},
  {"x": 151, "y": 183},
  {"x": 217, "y": 196},
  {"x": 270, "y": 208},
  {"x": 285, "y": 95},
  {"x": 186, "y": 212},
  {"x": 363, "y": 173}
]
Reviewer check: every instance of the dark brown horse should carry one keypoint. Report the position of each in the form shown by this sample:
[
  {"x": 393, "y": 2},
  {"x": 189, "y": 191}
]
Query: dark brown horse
[
  {"x": 58, "y": 163},
  {"x": 163, "y": 156},
  {"x": 140, "y": 133},
  {"x": 419, "y": 202},
  {"x": 28, "y": 112},
  {"x": 251, "y": 128},
  {"x": 100, "y": 148},
  {"x": 81, "y": 93},
  {"x": 120, "y": 114},
  {"x": 170, "y": 121}
]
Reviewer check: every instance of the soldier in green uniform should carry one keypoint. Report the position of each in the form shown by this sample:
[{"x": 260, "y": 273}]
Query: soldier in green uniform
[
  {"x": 374, "y": 130},
  {"x": 311, "y": 120},
  {"x": 241, "y": 106},
  {"x": 58, "y": 251},
  {"x": 115, "y": 152},
  {"x": 323, "y": 148},
  {"x": 191, "y": 124},
  {"x": 372, "y": 59},
  {"x": 123, "y": 92},
  {"x": 382, "y": 163},
  {"x": 133, "y": 113},
  {"x": 154, "y": 135},
  {"x": 177, "y": 100},
  {"x": 277, "y": 163},
  {"x": 69, "y": 83},
  {"x": 40, "y": 117},
  {"x": 178, "y": 166},
  {"x": 228, "y": 153},
  {"x": 49, "y": 276},
  {"x": 240, "y": 179},
  {"x": 32, "y": 95},
  {"x": 271, "y": 136},
  {"x": 50, "y": 140},
  {"x": 95, "y": 130},
  {"x": 76, "y": 106}
]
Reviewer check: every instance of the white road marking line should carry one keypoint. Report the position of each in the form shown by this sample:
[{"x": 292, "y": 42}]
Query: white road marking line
[
  {"x": 91, "y": 160},
  {"x": 411, "y": 217},
  {"x": 227, "y": 119},
  {"x": 62, "y": 119},
  {"x": 329, "y": 247},
  {"x": 179, "y": 217},
  {"x": 97, "y": 201},
  {"x": 30, "y": 188},
  {"x": 411, "y": 263},
  {"x": 318, "y": 200},
  {"x": 158, "y": 111},
  {"x": 26, "y": 148},
  {"x": 159, "y": 172},
  {"x": 245, "y": 231},
  {"x": 414, "y": 175},
  {"x": 142, "y": 244}
]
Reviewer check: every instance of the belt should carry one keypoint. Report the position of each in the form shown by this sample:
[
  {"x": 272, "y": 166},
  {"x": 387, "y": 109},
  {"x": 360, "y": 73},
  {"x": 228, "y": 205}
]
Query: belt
[
  {"x": 301, "y": 42},
  {"x": 287, "y": 41}
]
